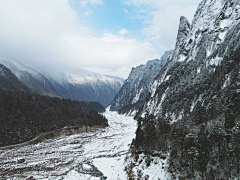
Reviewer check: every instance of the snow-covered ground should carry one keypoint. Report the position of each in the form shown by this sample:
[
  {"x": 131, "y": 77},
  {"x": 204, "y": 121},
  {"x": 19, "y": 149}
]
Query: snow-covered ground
[
  {"x": 82, "y": 156},
  {"x": 155, "y": 171}
]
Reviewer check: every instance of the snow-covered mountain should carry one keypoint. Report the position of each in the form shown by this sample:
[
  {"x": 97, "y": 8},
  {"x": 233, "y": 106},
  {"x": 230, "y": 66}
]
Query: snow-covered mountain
[
  {"x": 135, "y": 89},
  {"x": 29, "y": 76},
  {"x": 191, "y": 118},
  {"x": 72, "y": 83},
  {"x": 202, "y": 73},
  {"x": 80, "y": 84},
  {"x": 8, "y": 81}
]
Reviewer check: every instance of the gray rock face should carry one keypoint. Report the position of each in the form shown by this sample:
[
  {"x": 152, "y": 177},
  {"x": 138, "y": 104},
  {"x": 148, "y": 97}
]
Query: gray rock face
[
  {"x": 201, "y": 77},
  {"x": 136, "y": 88}
]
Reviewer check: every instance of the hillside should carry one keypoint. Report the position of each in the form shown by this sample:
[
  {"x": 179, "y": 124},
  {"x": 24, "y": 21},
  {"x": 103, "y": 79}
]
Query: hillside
[
  {"x": 191, "y": 116},
  {"x": 61, "y": 81},
  {"x": 26, "y": 114}
]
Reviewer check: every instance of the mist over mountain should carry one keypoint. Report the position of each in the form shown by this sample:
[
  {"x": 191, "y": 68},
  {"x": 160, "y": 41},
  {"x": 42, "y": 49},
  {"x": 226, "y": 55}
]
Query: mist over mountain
[
  {"x": 8, "y": 81},
  {"x": 25, "y": 114},
  {"x": 61, "y": 81}
]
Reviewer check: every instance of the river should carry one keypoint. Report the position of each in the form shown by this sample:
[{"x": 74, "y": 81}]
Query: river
[{"x": 94, "y": 155}]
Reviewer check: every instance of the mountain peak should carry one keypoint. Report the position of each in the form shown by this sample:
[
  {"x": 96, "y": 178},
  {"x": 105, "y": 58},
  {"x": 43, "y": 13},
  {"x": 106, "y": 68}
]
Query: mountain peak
[{"x": 183, "y": 30}]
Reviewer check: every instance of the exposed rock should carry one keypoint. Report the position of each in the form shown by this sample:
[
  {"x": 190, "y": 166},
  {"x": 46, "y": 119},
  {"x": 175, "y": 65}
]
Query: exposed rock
[
  {"x": 135, "y": 89},
  {"x": 20, "y": 161},
  {"x": 202, "y": 75}
]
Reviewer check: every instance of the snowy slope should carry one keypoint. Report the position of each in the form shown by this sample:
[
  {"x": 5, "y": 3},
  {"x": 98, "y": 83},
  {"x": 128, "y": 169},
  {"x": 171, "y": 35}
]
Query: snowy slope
[
  {"x": 8, "y": 81},
  {"x": 80, "y": 84},
  {"x": 135, "y": 89},
  {"x": 62, "y": 81},
  {"x": 29, "y": 76}
]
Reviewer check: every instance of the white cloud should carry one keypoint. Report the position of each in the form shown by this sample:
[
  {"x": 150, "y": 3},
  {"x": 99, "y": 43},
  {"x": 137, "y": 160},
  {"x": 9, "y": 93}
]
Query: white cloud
[
  {"x": 162, "y": 18},
  {"x": 83, "y": 3},
  {"x": 88, "y": 13},
  {"x": 123, "y": 31},
  {"x": 96, "y": 1},
  {"x": 43, "y": 31},
  {"x": 91, "y": 2}
]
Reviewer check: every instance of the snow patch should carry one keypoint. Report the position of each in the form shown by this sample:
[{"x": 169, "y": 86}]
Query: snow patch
[
  {"x": 159, "y": 107},
  {"x": 226, "y": 23},
  {"x": 136, "y": 98},
  {"x": 215, "y": 61},
  {"x": 112, "y": 168},
  {"x": 181, "y": 58},
  {"x": 167, "y": 78},
  {"x": 199, "y": 70},
  {"x": 226, "y": 83},
  {"x": 175, "y": 118},
  {"x": 74, "y": 175},
  {"x": 222, "y": 35},
  {"x": 195, "y": 102},
  {"x": 155, "y": 171},
  {"x": 154, "y": 87},
  {"x": 132, "y": 113}
]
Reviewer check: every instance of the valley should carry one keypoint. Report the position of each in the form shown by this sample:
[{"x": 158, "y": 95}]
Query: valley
[
  {"x": 73, "y": 157},
  {"x": 176, "y": 117}
]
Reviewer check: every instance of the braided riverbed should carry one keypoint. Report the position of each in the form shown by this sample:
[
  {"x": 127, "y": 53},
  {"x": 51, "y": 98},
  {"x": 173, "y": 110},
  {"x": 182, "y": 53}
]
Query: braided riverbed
[{"x": 93, "y": 155}]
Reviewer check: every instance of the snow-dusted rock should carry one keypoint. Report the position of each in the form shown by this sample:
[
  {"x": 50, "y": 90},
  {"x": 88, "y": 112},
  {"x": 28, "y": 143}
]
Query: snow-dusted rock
[
  {"x": 202, "y": 74},
  {"x": 135, "y": 89}
]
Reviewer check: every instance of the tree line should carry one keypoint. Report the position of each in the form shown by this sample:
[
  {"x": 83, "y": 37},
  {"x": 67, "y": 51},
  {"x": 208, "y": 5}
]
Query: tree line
[{"x": 24, "y": 115}]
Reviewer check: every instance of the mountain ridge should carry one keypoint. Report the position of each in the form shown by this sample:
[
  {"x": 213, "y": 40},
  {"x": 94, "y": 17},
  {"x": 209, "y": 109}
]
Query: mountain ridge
[
  {"x": 190, "y": 122},
  {"x": 70, "y": 83},
  {"x": 135, "y": 88},
  {"x": 25, "y": 114}
]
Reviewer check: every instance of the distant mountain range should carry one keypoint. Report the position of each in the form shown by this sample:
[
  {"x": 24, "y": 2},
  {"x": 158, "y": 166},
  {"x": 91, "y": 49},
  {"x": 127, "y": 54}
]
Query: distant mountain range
[
  {"x": 24, "y": 114},
  {"x": 61, "y": 81}
]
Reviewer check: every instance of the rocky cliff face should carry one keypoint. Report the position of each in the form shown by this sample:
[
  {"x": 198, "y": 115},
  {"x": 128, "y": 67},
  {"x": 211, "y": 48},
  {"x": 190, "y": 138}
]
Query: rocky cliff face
[
  {"x": 135, "y": 89},
  {"x": 191, "y": 117},
  {"x": 201, "y": 77}
]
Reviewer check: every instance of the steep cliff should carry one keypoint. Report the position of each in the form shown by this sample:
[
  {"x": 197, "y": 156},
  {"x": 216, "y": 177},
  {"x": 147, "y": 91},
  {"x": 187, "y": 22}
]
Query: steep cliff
[
  {"x": 136, "y": 88},
  {"x": 202, "y": 74},
  {"x": 190, "y": 123}
]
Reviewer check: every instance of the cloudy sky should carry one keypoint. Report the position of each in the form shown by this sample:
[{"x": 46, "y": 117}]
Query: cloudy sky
[{"x": 105, "y": 36}]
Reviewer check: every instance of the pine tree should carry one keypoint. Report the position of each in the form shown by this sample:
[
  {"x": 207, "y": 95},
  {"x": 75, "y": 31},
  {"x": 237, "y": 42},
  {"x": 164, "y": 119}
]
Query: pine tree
[
  {"x": 235, "y": 144},
  {"x": 204, "y": 150},
  {"x": 150, "y": 136},
  {"x": 229, "y": 119},
  {"x": 176, "y": 159},
  {"x": 138, "y": 142}
]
